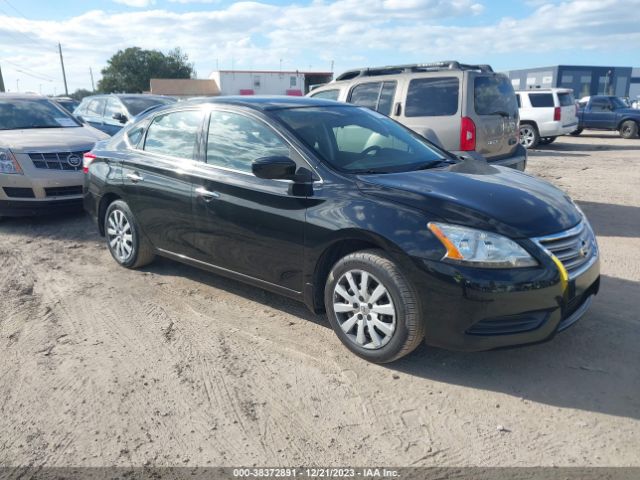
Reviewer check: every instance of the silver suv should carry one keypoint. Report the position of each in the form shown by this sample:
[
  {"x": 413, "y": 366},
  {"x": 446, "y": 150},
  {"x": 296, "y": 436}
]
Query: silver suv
[
  {"x": 467, "y": 109},
  {"x": 41, "y": 149}
]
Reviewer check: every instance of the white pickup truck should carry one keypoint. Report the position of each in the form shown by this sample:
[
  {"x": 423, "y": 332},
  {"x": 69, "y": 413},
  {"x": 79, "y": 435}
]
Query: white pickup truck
[{"x": 545, "y": 115}]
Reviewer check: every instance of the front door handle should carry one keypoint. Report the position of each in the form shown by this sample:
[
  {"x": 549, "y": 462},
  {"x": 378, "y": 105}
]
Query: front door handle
[
  {"x": 134, "y": 177},
  {"x": 206, "y": 194}
]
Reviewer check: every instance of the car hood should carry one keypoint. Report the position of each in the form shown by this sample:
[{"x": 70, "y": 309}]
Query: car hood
[
  {"x": 51, "y": 139},
  {"x": 478, "y": 195}
]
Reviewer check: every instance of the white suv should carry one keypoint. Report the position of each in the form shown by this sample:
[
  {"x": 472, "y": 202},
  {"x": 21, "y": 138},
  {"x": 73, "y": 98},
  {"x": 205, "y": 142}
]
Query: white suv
[{"x": 545, "y": 115}]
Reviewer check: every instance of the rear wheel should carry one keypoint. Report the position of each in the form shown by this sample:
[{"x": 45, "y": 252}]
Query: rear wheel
[
  {"x": 127, "y": 244},
  {"x": 529, "y": 136},
  {"x": 629, "y": 129},
  {"x": 547, "y": 140},
  {"x": 372, "y": 307},
  {"x": 576, "y": 132}
]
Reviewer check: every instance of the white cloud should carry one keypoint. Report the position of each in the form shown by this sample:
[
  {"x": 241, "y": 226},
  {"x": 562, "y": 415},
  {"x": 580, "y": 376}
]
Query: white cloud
[
  {"x": 136, "y": 3},
  {"x": 351, "y": 32}
]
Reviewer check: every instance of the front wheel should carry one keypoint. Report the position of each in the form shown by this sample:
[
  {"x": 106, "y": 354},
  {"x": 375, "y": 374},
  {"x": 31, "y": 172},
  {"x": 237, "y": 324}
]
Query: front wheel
[
  {"x": 126, "y": 242},
  {"x": 629, "y": 129},
  {"x": 372, "y": 307},
  {"x": 547, "y": 140},
  {"x": 529, "y": 136},
  {"x": 576, "y": 132}
]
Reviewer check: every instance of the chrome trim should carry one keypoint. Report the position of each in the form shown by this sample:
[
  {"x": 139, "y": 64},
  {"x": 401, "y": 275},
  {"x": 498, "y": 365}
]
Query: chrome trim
[
  {"x": 576, "y": 232},
  {"x": 226, "y": 270}
]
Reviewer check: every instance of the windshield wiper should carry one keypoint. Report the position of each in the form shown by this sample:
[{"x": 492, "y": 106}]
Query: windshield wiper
[
  {"x": 502, "y": 113},
  {"x": 434, "y": 164}
]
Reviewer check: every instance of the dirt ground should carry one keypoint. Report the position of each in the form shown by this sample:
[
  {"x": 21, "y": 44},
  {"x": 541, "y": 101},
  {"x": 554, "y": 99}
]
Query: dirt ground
[{"x": 174, "y": 366}]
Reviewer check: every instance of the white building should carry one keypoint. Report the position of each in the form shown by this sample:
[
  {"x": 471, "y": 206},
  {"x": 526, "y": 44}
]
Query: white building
[{"x": 267, "y": 82}]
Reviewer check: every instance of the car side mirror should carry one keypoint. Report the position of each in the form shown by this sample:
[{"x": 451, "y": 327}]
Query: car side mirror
[
  {"x": 122, "y": 118},
  {"x": 274, "y": 168}
]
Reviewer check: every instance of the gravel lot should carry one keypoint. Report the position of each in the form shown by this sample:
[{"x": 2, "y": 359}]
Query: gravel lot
[{"x": 173, "y": 366}]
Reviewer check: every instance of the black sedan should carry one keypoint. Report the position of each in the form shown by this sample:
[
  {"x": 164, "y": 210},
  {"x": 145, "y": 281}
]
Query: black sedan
[{"x": 351, "y": 213}]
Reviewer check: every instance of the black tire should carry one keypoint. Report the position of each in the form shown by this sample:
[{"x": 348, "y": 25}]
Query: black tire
[
  {"x": 629, "y": 129},
  {"x": 547, "y": 140},
  {"x": 529, "y": 136},
  {"x": 142, "y": 252},
  {"x": 576, "y": 132},
  {"x": 408, "y": 324}
]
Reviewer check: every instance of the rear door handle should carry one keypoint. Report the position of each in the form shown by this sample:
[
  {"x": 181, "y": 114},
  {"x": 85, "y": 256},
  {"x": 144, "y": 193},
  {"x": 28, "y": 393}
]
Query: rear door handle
[
  {"x": 134, "y": 177},
  {"x": 206, "y": 194}
]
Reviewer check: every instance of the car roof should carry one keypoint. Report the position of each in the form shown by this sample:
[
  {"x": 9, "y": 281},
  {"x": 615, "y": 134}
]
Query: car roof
[
  {"x": 267, "y": 102},
  {"x": 22, "y": 96}
]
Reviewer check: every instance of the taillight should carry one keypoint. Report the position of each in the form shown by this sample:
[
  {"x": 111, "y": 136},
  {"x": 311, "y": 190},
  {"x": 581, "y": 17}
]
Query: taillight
[
  {"x": 87, "y": 158},
  {"x": 467, "y": 135},
  {"x": 556, "y": 114}
]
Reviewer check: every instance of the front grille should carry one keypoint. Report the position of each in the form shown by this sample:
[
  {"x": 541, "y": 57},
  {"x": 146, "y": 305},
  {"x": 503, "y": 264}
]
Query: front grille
[
  {"x": 71, "y": 161},
  {"x": 14, "y": 192},
  {"x": 510, "y": 324},
  {"x": 63, "y": 191},
  {"x": 575, "y": 247}
]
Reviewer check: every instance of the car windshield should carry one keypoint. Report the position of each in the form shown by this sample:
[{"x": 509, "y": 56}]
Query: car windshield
[
  {"x": 359, "y": 140},
  {"x": 618, "y": 103},
  {"x": 23, "y": 113},
  {"x": 135, "y": 105}
]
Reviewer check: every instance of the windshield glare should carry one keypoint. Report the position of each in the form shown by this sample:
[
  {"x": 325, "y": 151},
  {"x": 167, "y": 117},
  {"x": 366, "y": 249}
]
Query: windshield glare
[
  {"x": 358, "y": 140},
  {"x": 135, "y": 105},
  {"x": 19, "y": 114}
]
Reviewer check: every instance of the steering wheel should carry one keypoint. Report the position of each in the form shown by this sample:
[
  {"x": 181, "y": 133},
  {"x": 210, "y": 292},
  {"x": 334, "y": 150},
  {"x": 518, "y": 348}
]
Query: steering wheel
[{"x": 372, "y": 148}]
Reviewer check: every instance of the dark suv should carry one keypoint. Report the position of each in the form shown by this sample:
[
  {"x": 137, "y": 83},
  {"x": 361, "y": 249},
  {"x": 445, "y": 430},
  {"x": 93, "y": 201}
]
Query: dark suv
[
  {"x": 110, "y": 113},
  {"x": 342, "y": 208}
]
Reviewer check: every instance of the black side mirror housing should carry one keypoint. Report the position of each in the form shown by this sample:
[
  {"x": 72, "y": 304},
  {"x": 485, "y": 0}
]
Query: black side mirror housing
[
  {"x": 122, "y": 118},
  {"x": 274, "y": 168}
]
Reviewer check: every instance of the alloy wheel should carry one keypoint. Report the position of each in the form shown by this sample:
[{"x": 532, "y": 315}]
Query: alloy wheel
[
  {"x": 364, "y": 309},
  {"x": 119, "y": 235},
  {"x": 527, "y": 136}
]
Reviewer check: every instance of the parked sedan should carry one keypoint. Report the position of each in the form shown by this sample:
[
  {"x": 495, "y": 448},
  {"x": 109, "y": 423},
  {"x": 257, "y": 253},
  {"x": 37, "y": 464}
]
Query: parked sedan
[
  {"x": 345, "y": 209},
  {"x": 41, "y": 148},
  {"x": 110, "y": 113}
]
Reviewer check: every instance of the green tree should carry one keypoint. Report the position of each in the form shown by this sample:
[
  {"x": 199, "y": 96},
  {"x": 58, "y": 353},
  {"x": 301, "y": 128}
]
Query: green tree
[
  {"x": 130, "y": 70},
  {"x": 80, "y": 93}
]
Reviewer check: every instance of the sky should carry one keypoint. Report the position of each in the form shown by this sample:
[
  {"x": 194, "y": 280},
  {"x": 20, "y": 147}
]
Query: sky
[{"x": 310, "y": 35}]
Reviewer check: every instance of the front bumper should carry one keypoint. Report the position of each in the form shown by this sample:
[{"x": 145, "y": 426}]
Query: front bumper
[
  {"x": 470, "y": 309},
  {"x": 39, "y": 190}
]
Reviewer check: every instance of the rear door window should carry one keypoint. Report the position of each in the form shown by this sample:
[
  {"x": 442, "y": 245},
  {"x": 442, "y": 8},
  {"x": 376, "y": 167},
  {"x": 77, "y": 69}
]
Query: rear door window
[
  {"x": 377, "y": 96},
  {"x": 327, "y": 94},
  {"x": 433, "y": 97},
  {"x": 566, "y": 99},
  {"x": 541, "y": 100},
  {"x": 174, "y": 134},
  {"x": 494, "y": 95}
]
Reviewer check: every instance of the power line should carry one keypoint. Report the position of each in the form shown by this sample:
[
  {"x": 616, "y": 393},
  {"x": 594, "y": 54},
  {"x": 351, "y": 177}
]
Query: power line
[{"x": 29, "y": 72}]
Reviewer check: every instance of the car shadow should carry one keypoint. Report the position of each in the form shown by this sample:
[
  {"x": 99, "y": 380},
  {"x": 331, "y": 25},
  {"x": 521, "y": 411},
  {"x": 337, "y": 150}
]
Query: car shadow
[
  {"x": 165, "y": 266},
  {"x": 610, "y": 220},
  {"x": 591, "y": 366},
  {"x": 73, "y": 226},
  {"x": 564, "y": 147},
  {"x": 540, "y": 152}
]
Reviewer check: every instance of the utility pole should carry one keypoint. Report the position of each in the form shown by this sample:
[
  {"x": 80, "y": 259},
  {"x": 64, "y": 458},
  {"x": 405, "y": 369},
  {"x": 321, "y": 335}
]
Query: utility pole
[
  {"x": 17, "y": 84},
  {"x": 93, "y": 87},
  {"x": 64, "y": 75},
  {"x": 1, "y": 81}
]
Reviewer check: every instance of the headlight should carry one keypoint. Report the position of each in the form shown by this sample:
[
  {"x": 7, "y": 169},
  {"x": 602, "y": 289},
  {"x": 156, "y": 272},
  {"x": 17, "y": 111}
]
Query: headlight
[
  {"x": 8, "y": 163},
  {"x": 478, "y": 248}
]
